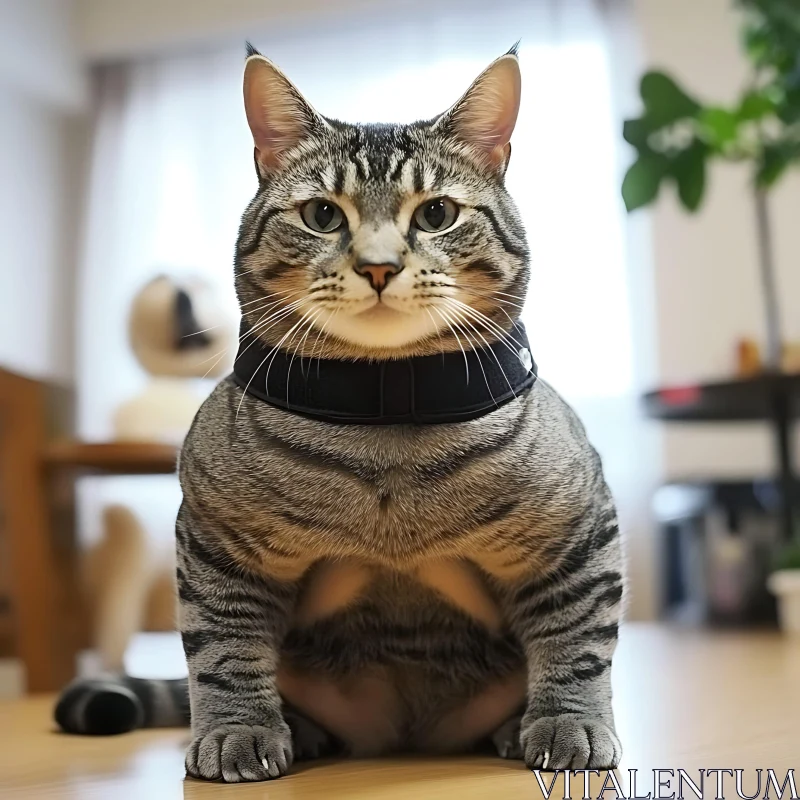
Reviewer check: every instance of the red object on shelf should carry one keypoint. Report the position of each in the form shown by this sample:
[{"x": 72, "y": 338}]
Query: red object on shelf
[{"x": 680, "y": 395}]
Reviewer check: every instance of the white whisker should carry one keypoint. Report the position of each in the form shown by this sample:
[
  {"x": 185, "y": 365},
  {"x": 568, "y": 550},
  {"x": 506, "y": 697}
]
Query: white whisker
[
  {"x": 219, "y": 352},
  {"x": 508, "y": 294},
  {"x": 266, "y": 379},
  {"x": 477, "y": 351},
  {"x": 494, "y": 355},
  {"x": 274, "y": 319},
  {"x": 438, "y": 332},
  {"x": 314, "y": 348},
  {"x": 197, "y": 333},
  {"x": 489, "y": 324},
  {"x": 500, "y": 335},
  {"x": 322, "y": 328},
  {"x": 221, "y": 355},
  {"x": 266, "y": 309},
  {"x": 266, "y": 297},
  {"x": 508, "y": 316},
  {"x": 276, "y": 349},
  {"x": 494, "y": 299},
  {"x": 453, "y": 331},
  {"x": 315, "y": 314}
]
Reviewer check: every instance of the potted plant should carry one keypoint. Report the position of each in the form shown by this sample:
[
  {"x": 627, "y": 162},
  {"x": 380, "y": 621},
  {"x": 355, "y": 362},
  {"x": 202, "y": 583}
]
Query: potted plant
[
  {"x": 677, "y": 135},
  {"x": 675, "y": 139},
  {"x": 784, "y": 583}
]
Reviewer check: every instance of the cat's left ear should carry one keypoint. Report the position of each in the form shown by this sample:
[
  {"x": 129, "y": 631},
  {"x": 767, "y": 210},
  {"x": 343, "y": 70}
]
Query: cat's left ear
[
  {"x": 279, "y": 116},
  {"x": 485, "y": 116}
]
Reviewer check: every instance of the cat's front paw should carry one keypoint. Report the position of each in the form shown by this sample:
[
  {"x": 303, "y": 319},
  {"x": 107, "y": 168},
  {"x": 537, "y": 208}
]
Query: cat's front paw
[
  {"x": 569, "y": 741},
  {"x": 235, "y": 753}
]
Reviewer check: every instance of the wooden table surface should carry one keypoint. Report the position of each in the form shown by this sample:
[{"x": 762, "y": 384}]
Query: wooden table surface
[{"x": 683, "y": 700}]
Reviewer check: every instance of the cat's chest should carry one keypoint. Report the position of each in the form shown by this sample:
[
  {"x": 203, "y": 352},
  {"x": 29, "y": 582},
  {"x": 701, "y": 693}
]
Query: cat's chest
[
  {"x": 396, "y": 516},
  {"x": 373, "y": 498},
  {"x": 398, "y": 495}
]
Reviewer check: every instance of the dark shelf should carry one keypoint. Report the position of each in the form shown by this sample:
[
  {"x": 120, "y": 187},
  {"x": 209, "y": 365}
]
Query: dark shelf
[
  {"x": 772, "y": 398},
  {"x": 744, "y": 400}
]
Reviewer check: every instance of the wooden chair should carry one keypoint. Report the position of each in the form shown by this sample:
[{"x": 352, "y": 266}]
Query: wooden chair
[{"x": 37, "y": 512}]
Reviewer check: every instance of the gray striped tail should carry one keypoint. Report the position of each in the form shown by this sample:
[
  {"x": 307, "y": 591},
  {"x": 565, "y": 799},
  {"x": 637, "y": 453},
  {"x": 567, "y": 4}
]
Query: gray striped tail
[{"x": 114, "y": 704}]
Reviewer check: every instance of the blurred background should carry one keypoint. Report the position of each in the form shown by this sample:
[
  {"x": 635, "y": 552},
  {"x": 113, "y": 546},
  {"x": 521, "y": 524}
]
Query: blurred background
[{"x": 126, "y": 162}]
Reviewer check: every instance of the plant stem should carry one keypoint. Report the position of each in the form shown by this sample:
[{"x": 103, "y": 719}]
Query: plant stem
[{"x": 767, "y": 270}]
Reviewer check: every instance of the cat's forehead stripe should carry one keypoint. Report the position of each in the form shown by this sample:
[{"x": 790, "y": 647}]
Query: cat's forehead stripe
[
  {"x": 350, "y": 178},
  {"x": 328, "y": 177},
  {"x": 394, "y": 160},
  {"x": 364, "y": 161},
  {"x": 428, "y": 178},
  {"x": 407, "y": 177}
]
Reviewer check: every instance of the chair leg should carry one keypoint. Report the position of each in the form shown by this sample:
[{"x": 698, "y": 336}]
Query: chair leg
[{"x": 37, "y": 589}]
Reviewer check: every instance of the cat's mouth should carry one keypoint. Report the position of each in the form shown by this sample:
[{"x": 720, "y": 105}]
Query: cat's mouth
[
  {"x": 379, "y": 310},
  {"x": 382, "y": 325},
  {"x": 382, "y": 308}
]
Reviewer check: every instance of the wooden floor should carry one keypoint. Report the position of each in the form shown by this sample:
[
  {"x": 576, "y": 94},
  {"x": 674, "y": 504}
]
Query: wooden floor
[{"x": 683, "y": 700}]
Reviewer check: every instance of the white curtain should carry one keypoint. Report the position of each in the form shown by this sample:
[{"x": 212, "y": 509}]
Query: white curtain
[{"x": 172, "y": 172}]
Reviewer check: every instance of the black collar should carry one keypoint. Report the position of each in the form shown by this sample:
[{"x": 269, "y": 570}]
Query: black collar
[{"x": 419, "y": 390}]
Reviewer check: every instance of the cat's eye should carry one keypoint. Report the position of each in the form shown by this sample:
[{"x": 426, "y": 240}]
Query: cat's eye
[
  {"x": 434, "y": 216},
  {"x": 322, "y": 216}
]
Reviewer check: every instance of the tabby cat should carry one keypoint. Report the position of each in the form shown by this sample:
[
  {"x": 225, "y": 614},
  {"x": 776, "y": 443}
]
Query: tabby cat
[{"x": 368, "y": 589}]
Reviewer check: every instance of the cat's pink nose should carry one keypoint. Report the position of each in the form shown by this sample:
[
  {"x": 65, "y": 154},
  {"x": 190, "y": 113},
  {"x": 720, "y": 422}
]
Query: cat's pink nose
[{"x": 378, "y": 275}]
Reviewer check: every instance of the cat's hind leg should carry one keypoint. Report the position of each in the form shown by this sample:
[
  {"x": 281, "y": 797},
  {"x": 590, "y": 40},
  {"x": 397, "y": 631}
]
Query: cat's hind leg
[
  {"x": 506, "y": 739},
  {"x": 309, "y": 739}
]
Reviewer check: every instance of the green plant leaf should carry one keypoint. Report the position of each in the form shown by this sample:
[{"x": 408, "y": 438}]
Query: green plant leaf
[
  {"x": 718, "y": 126},
  {"x": 756, "y": 105},
  {"x": 789, "y": 109},
  {"x": 636, "y": 131},
  {"x": 665, "y": 102},
  {"x": 757, "y": 43},
  {"x": 789, "y": 558},
  {"x": 772, "y": 38},
  {"x": 689, "y": 169},
  {"x": 642, "y": 181},
  {"x": 774, "y": 161}
]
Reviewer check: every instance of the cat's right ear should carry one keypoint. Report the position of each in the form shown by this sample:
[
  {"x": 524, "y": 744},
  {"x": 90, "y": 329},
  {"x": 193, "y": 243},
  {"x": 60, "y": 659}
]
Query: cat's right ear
[{"x": 278, "y": 115}]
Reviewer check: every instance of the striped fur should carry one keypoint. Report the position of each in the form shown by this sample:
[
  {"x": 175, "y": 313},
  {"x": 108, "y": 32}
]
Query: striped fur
[{"x": 462, "y": 579}]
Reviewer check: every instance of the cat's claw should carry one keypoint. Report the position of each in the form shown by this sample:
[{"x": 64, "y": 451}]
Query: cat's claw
[
  {"x": 569, "y": 741},
  {"x": 236, "y": 753}
]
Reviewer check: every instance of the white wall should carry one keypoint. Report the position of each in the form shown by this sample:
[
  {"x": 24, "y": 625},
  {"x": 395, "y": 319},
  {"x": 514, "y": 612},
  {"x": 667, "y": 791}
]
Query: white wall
[
  {"x": 110, "y": 29},
  {"x": 42, "y": 91},
  {"x": 706, "y": 278}
]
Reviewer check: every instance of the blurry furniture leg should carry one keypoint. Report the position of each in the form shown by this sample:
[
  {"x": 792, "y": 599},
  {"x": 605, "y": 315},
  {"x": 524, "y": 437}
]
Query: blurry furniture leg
[
  {"x": 73, "y": 618},
  {"x": 782, "y": 421},
  {"x": 35, "y": 575},
  {"x": 66, "y": 461},
  {"x": 118, "y": 574}
]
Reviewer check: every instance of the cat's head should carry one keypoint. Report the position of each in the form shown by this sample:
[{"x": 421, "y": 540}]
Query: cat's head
[{"x": 385, "y": 240}]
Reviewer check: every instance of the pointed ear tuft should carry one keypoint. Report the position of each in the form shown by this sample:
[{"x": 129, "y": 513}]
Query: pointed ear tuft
[
  {"x": 484, "y": 117},
  {"x": 250, "y": 50},
  {"x": 278, "y": 115}
]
